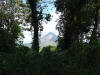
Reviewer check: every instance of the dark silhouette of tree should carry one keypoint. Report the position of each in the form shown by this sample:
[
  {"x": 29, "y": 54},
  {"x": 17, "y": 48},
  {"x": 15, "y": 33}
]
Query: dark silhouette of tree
[
  {"x": 37, "y": 16},
  {"x": 94, "y": 32},
  {"x": 33, "y": 6},
  {"x": 75, "y": 20}
]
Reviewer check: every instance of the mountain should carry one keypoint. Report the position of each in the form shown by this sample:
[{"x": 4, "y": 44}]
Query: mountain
[
  {"x": 50, "y": 36},
  {"x": 48, "y": 39}
]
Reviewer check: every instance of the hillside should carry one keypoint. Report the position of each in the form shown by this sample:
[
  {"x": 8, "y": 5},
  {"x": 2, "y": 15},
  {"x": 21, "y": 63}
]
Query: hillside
[{"x": 48, "y": 39}]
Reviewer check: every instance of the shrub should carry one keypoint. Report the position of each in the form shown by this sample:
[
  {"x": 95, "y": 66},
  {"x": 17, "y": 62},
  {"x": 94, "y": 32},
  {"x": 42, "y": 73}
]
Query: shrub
[{"x": 80, "y": 59}]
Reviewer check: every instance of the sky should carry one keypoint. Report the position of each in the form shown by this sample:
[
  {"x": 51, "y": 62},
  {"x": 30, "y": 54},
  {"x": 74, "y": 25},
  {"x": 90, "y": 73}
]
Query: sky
[
  {"x": 48, "y": 27},
  {"x": 24, "y": 1}
]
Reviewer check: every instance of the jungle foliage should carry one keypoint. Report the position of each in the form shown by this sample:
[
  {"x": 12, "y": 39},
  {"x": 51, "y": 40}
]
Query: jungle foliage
[{"x": 78, "y": 47}]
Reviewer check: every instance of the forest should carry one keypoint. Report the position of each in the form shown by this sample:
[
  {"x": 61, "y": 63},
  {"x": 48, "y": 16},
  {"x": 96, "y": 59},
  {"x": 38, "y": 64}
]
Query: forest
[{"x": 77, "y": 51}]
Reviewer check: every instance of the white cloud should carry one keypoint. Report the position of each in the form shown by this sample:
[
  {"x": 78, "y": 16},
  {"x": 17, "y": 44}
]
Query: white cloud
[
  {"x": 28, "y": 37},
  {"x": 51, "y": 26},
  {"x": 48, "y": 27}
]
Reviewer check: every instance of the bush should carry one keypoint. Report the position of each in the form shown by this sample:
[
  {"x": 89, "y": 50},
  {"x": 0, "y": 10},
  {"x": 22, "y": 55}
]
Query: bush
[
  {"x": 49, "y": 48},
  {"x": 86, "y": 58},
  {"x": 32, "y": 63},
  {"x": 80, "y": 59}
]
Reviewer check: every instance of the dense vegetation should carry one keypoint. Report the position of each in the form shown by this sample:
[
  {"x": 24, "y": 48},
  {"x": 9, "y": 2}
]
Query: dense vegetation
[
  {"x": 79, "y": 21},
  {"x": 79, "y": 60}
]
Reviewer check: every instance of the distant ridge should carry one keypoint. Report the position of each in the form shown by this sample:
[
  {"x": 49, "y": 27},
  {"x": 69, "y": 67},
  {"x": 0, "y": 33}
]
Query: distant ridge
[
  {"x": 48, "y": 39},
  {"x": 50, "y": 36}
]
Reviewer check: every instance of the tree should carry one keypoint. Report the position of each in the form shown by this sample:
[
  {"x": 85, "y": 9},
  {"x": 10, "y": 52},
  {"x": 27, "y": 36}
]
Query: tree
[
  {"x": 37, "y": 17},
  {"x": 33, "y": 6},
  {"x": 96, "y": 22},
  {"x": 9, "y": 29},
  {"x": 76, "y": 19}
]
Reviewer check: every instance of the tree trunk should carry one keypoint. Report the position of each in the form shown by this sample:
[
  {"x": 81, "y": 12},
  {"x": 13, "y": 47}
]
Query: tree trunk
[{"x": 35, "y": 43}]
